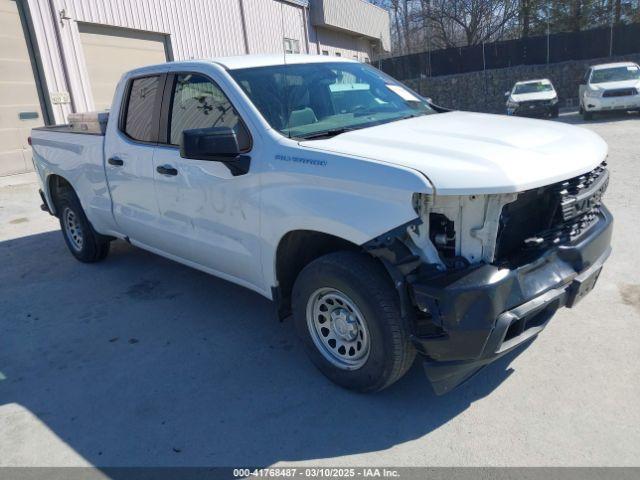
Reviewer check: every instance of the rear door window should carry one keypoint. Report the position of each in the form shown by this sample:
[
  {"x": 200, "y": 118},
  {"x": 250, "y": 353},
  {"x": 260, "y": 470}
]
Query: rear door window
[{"x": 140, "y": 121}]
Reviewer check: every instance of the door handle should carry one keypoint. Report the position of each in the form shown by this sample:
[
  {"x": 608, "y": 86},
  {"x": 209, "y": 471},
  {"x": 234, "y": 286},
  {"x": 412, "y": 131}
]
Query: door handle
[
  {"x": 167, "y": 170},
  {"x": 116, "y": 162}
]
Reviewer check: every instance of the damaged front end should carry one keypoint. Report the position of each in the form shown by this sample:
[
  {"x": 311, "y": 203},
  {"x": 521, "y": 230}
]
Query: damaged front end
[{"x": 480, "y": 275}]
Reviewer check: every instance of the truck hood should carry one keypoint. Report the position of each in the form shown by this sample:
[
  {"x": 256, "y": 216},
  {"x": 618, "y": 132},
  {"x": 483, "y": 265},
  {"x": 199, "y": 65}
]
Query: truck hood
[{"x": 471, "y": 153}]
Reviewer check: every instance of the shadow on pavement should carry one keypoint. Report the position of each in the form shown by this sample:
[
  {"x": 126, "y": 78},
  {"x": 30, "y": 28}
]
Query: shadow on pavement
[
  {"x": 574, "y": 118},
  {"x": 139, "y": 361}
]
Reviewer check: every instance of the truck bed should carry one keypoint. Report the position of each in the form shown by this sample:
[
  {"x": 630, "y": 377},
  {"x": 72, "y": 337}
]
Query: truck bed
[
  {"x": 87, "y": 123},
  {"x": 67, "y": 129},
  {"x": 77, "y": 157}
]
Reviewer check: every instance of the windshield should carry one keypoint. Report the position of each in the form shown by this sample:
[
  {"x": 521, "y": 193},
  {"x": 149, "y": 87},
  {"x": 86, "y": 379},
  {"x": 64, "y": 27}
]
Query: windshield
[
  {"x": 325, "y": 99},
  {"x": 534, "y": 87},
  {"x": 616, "y": 74}
]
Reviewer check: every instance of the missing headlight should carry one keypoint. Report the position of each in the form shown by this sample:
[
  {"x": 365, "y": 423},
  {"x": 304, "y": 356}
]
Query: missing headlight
[{"x": 443, "y": 235}]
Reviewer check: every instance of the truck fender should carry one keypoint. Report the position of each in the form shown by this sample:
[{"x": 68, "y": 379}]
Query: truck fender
[{"x": 352, "y": 199}]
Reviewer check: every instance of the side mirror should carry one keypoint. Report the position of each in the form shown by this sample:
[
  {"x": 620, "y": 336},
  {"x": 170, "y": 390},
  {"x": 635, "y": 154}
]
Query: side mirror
[
  {"x": 507, "y": 94},
  {"x": 216, "y": 144}
]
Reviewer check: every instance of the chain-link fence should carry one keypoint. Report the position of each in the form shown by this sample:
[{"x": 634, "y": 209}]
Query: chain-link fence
[{"x": 539, "y": 50}]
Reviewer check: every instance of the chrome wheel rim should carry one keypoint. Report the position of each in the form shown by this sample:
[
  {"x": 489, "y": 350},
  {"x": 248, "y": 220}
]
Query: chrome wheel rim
[
  {"x": 338, "y": 329},
  {"x": 73, "y": 229}
]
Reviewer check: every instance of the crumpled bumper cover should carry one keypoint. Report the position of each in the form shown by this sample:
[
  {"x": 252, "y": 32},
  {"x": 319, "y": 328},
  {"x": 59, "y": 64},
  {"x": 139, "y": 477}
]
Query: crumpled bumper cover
[
  {"x": 533, "y": 110},
  {"x": 485, "y": 312}
]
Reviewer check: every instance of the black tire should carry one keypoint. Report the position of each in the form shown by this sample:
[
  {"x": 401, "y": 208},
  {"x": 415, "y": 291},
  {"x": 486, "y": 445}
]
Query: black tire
[
  {"x": 555, "y": 113},
  {"x": 587, "y": 115},
  {"x": 367, "y": 284},
  {"x": 93, "y": 247}
]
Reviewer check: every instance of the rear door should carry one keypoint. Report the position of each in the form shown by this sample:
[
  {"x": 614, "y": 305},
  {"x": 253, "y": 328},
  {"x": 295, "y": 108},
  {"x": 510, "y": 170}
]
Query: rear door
[
  {"x": 209, "y": 214},
  {"x": 129, "y": 151}
]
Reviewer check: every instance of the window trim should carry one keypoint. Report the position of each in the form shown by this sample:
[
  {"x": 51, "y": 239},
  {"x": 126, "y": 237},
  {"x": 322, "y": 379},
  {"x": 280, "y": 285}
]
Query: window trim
[
  {"x": 164, "y": 135},
  {"x": 124, "y": 108}
]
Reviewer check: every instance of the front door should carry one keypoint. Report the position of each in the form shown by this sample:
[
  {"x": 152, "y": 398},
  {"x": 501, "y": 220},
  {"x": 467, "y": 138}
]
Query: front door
[{"x": 208, "y": 215}]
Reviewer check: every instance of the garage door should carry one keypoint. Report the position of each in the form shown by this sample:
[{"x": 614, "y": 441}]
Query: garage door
[
  {"x": 111, "y": 51},
  {"x": 19, "y": 103}
]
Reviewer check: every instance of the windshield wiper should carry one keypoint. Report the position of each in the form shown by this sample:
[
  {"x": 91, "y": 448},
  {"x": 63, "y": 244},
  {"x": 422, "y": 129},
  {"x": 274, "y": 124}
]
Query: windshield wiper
[
  {"x": 338, "y": 131},
  {"x": 412, "y": 115},
  {"x": 326, "y": 134}
]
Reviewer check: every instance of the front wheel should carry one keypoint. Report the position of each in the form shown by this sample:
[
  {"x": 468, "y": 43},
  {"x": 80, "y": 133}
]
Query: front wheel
[
  {"x": 83, "y": 242},
  {"x": 346, "y": 311},
  {"x": 585, "y": 115}
]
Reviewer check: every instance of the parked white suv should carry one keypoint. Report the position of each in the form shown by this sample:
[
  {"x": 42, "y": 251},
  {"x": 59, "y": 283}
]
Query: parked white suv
[{"x": 610, "y": 87}]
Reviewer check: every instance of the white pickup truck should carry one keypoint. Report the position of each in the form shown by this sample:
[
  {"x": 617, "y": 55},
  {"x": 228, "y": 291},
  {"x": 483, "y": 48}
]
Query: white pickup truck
[{"x": 385, "y": 225}]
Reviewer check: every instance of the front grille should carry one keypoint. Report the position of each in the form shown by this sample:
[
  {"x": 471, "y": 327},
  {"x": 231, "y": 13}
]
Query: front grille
[
  {"x": 536, "y": 103},
  {"x": 555, "y": 215},
  {"x": 620, "y": 92}
]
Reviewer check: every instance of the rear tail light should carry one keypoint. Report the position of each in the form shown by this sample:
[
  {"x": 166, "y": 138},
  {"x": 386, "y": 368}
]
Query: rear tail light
[{"x": 29, "y": 141}]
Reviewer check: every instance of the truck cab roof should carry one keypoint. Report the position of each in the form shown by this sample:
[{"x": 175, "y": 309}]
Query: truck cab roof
[{"x": 248, "y": 61}]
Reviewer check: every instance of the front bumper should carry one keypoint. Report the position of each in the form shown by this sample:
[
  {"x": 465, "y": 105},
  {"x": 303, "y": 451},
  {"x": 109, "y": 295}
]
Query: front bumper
[
  {"x": 607, "y": 104},
  {"x": 534, "y": 110},
  {"x": 484, "y": 312}
]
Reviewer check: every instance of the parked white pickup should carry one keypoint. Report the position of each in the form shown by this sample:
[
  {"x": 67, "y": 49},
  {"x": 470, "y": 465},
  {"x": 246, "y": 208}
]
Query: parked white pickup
[{"x": 386, "y": 225}]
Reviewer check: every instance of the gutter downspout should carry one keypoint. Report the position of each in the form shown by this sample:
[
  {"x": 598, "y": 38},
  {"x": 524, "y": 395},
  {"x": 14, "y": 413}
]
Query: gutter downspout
[
  {"x": 57, "y": 17},
  {"x": 245, "y": 36},
  {"x": 36, "y": 60},
  {"x": 304, "y": 26}
]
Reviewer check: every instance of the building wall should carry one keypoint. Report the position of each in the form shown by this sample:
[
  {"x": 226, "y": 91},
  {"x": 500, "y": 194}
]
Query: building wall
[
  {"x": 194, "y": 29},
  {"x": 357, "y": 16},
  {"x": 202, "y": 29},
  {"x": 334, "y": 42},
  {"x": 284, "y": 21}
]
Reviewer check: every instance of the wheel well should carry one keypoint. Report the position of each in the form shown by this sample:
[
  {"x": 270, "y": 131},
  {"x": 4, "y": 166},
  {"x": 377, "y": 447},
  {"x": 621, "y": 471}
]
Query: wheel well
[
  {"x": 295, "y": 251},
  {"x": 57, "y": 185}
]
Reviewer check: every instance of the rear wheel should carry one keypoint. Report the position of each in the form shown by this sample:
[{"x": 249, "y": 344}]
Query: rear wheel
[
  {"x": 346, "y": 311},
  {"x": 83, "y": 242}
]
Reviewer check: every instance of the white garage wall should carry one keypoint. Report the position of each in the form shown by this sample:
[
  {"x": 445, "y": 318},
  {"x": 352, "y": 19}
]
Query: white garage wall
[
  {"x": 285, "y": 20},
  {"x": 195, "y": 28},
  {"x": 348, "y": 46},
  {"x": 201, "y": 29}
]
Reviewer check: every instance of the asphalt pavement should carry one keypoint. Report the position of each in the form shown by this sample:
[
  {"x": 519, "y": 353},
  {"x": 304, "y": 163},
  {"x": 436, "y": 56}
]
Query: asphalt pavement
[{"x": 139, "y": 361}]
